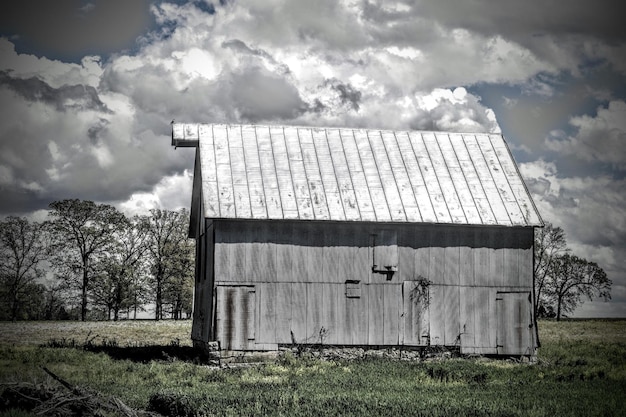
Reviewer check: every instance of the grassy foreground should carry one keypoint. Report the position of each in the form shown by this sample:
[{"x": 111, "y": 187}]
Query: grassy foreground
[{"x": 581, "y": 371}]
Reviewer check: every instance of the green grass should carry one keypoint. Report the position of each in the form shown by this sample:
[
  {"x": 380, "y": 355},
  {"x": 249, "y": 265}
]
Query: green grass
[{"x": 581, "y": 371}]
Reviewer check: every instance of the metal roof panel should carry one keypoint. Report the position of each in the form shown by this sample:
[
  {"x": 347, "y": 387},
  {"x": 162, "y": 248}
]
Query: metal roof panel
[{"x": 341, "y": 174}]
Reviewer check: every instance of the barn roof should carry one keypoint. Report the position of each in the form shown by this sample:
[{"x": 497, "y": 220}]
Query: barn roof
[{"x": 340, "y": 174}]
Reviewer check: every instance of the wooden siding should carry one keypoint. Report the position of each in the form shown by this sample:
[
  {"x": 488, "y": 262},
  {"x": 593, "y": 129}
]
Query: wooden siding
[
  {"x": 334, "y": 174},
  {"x": 299, "y": 271}
]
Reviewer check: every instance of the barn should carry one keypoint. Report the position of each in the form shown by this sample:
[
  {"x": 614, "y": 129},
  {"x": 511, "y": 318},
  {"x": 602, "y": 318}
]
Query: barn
[{"x": 359, "y": 237}]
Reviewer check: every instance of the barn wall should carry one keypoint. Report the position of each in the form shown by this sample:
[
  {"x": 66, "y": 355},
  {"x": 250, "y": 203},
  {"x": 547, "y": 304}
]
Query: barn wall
[
  {"x": 301, "y": 272},
  {"x": 203, "y": 318}
]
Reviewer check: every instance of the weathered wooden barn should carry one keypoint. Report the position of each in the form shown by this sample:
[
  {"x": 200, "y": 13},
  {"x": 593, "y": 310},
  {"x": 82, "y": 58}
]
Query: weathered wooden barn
[{"x": 357, "y": 237}]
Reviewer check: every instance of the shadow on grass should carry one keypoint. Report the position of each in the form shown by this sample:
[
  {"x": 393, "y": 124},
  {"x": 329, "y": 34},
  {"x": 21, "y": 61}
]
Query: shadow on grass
[
  {"x": 144, "y": 354},
  {"x": 141, "y": 353}
]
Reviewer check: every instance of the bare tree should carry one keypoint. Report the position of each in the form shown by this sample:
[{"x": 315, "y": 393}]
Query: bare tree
[
  {"x": 549, "y": 243},
  {"x": 167, "y": 233},
  {"x": 118, "y": 268},
  {"x": 178, "y": 290},
  {"x": 82, "y": 231},
  {"x": 22, "y": 251},
  {"x": 571, "y": 278}
]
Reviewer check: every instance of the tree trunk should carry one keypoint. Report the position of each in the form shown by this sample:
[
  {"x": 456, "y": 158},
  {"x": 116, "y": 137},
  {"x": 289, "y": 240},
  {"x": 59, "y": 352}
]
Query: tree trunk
[
  {"x": 15, "y": 306},
  {"x": 83, "y": 302},
  {"x": 159, "y": 300},
  {"x": 558, "y": 309}
]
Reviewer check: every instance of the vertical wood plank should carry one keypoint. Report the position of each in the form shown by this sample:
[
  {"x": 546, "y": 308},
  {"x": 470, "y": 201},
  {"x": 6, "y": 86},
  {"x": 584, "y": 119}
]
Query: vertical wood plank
[
  {"x": 360, "y": 332},
  {"x": 392, "y": 304},
  {"x": 284, "y": 251},
  {"x": 437, "y": 257},
  {"x": 451, "y": 315},
  {"x": 330, "y": 313},
  {"x": 222, "y": 258},
  {"x": 266, "y": 295},
  {"x": 482, "y": 314},
  {"x": 376, "y": 314},
  {"x": 315, "y": 305},
  {"x": 299, "y": 308},
  {"x": 300, "y": 251},
  {"x": 254, "y": 257},
  {"x": 510, "y": 259},
  {"x": 344, "y": 322},
  {"x": 481, "y": 258},
  {"x": 467, "y": 321},
  {"x": 332, "y": 255},
  {"x": 437, "y": 312},
  {"x": 238, "y": 251},
  {"x": 496, "y": 259},
  {"x": 346, "y": 267},
  {"x": 283, "y": 312},
  {"x": 422, "y": 253},
  {"x": 452, "y": 256},
  {"x": 525, "y": 243}
]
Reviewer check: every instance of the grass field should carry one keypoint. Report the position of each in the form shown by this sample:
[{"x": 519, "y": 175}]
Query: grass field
[{"x": 581, "y": 371}]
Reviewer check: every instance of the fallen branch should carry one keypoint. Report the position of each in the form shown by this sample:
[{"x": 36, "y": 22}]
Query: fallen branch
[{"x": 59, "y": 379}]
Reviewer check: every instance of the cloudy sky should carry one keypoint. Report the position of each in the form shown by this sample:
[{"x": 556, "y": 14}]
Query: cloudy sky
[{"x": 88, "y": 90}]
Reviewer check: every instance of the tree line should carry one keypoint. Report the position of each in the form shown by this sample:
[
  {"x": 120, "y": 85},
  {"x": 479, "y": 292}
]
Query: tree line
[
  {"x": 563, "y": 280},
  {"x": 89, "y": 261}
]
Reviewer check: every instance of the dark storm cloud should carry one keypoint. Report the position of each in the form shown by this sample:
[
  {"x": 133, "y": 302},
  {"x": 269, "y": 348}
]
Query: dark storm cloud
[
  {"x": 525, "y": 19},
  {"x": 259, "y": 95},
  {"x": 96, "y": 130},
  {"x": 78, "y": 97},
  {"x": 73, "y": 28},
  {"x": 240, "y": 46},
  {"x": 347, "y": 93}
]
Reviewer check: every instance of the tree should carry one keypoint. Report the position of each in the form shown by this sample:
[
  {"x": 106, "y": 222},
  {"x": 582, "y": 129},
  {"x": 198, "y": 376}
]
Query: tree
[
  {"x": 83, "y": 231},
  {"x": 167, "y": 233},
  {"x": 572, "y": 278},
  {"x": 115, "y": 286},
  {"x": 549, "y": 243},
  {"x": 178, "y": 290},
  {"x": 22, "y": 251}
]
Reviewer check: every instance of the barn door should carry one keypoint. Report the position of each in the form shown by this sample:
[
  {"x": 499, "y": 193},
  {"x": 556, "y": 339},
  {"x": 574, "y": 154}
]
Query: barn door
[
  {"x": 235, "y": 317},
  {"x": 414, "y": 325},
  {"x": 514, "y": 334}
]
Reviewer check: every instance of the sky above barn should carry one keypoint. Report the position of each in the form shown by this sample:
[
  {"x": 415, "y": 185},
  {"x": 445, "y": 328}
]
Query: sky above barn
[{"x": 88, "y": 90}]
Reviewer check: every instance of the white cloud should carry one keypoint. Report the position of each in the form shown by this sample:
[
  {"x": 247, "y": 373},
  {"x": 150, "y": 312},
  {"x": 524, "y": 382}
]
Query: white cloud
[
  {"x": 171, "y": 193},
  {"x": 591, "y": 210},
  {"x": 600, "y": 138},
  {"x": 54, "y": 73}
]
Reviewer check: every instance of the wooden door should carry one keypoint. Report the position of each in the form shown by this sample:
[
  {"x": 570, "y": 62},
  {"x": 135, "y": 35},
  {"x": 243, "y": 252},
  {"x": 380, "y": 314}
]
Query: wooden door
[
  {"x": 235, "y": 317},
  {"x": 514, "y": 332}
]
